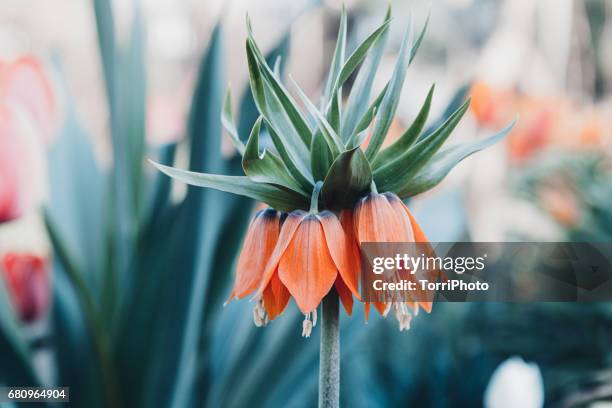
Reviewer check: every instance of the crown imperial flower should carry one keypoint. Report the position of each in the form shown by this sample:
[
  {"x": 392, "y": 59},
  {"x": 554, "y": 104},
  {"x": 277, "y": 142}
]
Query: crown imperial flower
[{"x": 327, "y": 179}]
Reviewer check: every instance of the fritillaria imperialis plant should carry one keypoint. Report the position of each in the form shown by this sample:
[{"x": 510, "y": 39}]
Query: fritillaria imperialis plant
[{"x": 330, "y": 186}]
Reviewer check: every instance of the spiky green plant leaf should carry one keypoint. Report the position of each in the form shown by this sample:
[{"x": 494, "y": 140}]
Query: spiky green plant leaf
[
  {"x": 357, "y": 103},
  {"x": 277, "y": 197},
  {"x": 287, "y": 101},
  {"x": 392, "y": 176},
  {"x": 331, "y": 137},
  {"x": 227, "y": 119},
  {"x": 406, "y": 140},
  {"x": 360, "y": 53},
  {"x": 290, "y": 146},
  {"x": 444, "y": 161},
  {"x": 389, "y": 104},
  {"x": 337, "y": 61},
  {"x": 357, "y": 138},
  {"x": 322, "y": 157},
  {"x": 348, "y": 178},
  {"x": 266, "y": 167}
]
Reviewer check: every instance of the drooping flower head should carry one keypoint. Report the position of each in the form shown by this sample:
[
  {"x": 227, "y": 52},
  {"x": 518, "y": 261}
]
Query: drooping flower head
[{"x": 327, "y": 179}]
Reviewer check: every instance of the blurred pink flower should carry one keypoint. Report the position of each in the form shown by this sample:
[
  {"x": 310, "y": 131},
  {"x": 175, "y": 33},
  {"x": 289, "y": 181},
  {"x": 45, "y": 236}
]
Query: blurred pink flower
[
  {"x": 165, "y": 120},
  {"x": 27, "y": 281},
  {"x": 23, "y": 83},
  {"x": 26, "y": 123}
]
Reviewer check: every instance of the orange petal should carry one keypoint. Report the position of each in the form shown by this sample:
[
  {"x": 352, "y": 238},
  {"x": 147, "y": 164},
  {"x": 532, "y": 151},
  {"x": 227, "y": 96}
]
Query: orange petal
[
  {"x": 426, "y": 306},
  {"x": 275, "y": 297},
  {"x": 288, "y": 229},
  {"x": 381, "y": 307},
  {"x": 258, "y": 245},
  {"x": 379, "y": 221},
  {"x": 419, "y": 235},
  {"x": 345, "y": 295},
  {"x": 339, "y": 248},
  {"x": 348, "y": 225},
  {"x": 306, "y": 267}
]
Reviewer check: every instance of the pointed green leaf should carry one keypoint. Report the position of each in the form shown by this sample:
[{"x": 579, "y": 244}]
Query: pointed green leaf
[
  {"x": 321, "y": 157},
  {"x": 394, "y": 175},
  {"x": 456, "y": 101},
  {"x": 364, "y": 122},
  {"x": 286, "y": 100},
  {"x": 267, "y": 167},
  {"x": 443, "y": 162},
  {"x": 417, "y": 43},
  {"x": 295, "y": 156},
  {"x": 291, "y": 148},
  {"x": 107, "y": 43},
  {"x": 360, "y": 53},
  {"x": 248, "y": 109},
  {"x": 359, "y": 96},
  {"x": 227, "y": 119},
  {"x": 331, "y": 137},
  {"x": 337, "y": 60},
  {"x": 304, "y": 178},
  {"x": 348, "y": 178},
  {"x": 277, "y": 197},
  {"x": 388, "y": 107},
  {"x": 277, "y": 67},
  {"x": 334, "y": 113},
  {"x": 409, "y": 137}
]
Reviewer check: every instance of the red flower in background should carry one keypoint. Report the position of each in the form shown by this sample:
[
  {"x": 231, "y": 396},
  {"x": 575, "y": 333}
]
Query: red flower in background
[
  {"x": 27, "y": 281},
  {"x": 26, "y": 123}
]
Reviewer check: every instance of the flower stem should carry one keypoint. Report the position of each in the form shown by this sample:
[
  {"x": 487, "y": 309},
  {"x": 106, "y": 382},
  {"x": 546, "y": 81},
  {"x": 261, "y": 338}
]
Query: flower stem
[
  {"x": 314, "y": 200},
  {"x": 329, "y": 357}
]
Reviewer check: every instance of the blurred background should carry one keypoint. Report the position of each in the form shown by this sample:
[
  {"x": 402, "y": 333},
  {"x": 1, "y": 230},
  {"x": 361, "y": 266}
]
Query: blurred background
[{"x": 116, "y": 278}]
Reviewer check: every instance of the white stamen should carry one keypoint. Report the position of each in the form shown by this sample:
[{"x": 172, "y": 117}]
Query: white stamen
[
  {"x": 306, "y": 328},
  {"x": 260, "y": 316},
  {"x": 387, "y": 309},
  {"x": 402, "y": 315}
]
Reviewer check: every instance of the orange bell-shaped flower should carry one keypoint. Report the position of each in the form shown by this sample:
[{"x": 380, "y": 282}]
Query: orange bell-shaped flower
[
  {"x": 385, "y": 218},
  {"x": 259, "y": 243},
  {"x": 310, "y": 255}
]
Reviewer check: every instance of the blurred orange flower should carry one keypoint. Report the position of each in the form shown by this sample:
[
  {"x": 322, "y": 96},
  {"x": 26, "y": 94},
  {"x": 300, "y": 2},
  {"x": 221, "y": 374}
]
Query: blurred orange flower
[
  {"x": 27, "y": 279},
  {"x": 561, "y": 204},
  {"x": 543, "y": 121},
  {"x": 491, "y": 106}
]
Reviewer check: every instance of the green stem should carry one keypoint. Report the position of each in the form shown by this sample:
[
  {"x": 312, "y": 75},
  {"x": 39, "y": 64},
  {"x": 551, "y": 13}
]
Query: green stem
[
  {"x": 329, "y": 357},
  {"x": 314, "y": 199}
]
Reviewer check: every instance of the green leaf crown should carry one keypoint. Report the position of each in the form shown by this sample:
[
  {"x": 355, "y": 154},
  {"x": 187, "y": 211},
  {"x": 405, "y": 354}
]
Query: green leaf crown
[{"x": 324, "y": 144}]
